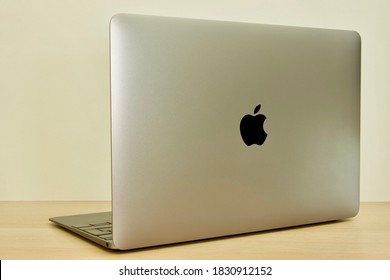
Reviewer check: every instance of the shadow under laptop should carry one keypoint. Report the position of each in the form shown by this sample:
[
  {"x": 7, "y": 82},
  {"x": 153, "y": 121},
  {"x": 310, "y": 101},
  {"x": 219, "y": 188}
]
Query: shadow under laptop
[{"x": 314, "y": 228}]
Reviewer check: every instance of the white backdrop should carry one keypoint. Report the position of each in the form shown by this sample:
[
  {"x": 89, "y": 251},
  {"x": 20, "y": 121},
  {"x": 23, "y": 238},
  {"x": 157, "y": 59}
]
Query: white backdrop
[{"x": 54, "y": 86}]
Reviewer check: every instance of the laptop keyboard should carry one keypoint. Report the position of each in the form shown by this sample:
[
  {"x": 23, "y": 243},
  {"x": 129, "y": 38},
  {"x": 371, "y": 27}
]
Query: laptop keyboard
[{"x": 101, "y": 230}]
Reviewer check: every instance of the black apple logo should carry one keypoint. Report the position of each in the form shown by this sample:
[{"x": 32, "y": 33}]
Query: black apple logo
[{"x": 251, "y": 128}]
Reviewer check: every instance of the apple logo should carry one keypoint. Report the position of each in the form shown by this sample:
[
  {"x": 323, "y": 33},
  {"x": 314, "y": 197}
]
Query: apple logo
[{"x": 251, "y": 128}]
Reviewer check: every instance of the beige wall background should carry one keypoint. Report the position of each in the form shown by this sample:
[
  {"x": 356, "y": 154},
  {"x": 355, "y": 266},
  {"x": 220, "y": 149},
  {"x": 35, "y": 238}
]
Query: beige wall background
[{"x": 54, "y": 86}]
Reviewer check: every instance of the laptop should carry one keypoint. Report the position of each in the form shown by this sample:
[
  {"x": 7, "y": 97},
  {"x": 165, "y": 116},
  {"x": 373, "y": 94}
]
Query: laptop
[{"x": 222, "y": 128}]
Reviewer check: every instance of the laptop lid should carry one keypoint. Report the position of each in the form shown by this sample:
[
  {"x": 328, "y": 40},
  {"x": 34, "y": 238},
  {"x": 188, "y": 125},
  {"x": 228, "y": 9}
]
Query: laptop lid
[{"x": 221, "y": 128}]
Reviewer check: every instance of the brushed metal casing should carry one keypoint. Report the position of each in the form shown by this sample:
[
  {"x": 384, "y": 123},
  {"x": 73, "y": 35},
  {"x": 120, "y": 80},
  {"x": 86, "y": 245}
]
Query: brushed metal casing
[{"x": 179, "y": 88}]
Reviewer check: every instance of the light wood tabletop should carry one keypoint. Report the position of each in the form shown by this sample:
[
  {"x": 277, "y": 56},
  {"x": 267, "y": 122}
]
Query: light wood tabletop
[{"x": 26, "y": 233}]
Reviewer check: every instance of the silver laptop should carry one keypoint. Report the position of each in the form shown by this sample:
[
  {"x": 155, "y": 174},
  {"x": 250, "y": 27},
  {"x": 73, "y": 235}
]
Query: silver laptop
[{"x": 221, "y": 128}]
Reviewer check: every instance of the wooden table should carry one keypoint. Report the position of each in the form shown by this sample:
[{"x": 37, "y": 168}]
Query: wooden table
[{"x": 26, "y": 233}]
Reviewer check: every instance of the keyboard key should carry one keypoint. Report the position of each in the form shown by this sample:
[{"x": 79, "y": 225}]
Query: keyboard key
[
  {"x": 95, "y": 232},
  {"x": 100, "y": 230}
]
